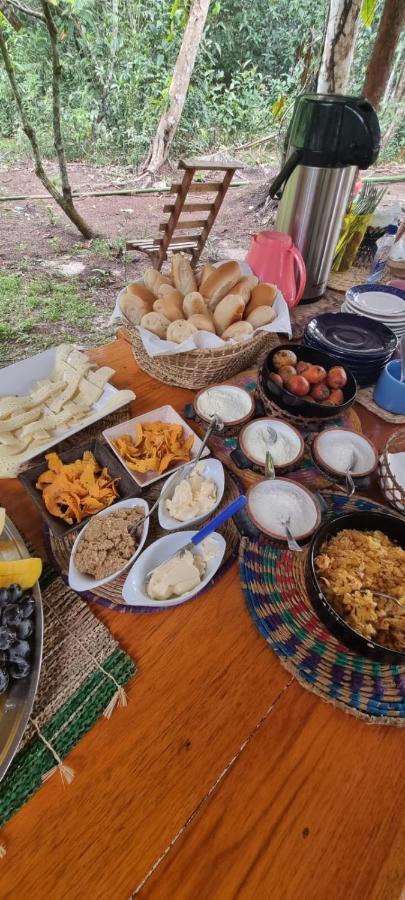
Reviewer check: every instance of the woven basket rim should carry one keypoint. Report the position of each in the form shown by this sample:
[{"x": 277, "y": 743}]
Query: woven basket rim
[
  {"x": 207, "y": 353},
  {"x": 384, "y": 458}
]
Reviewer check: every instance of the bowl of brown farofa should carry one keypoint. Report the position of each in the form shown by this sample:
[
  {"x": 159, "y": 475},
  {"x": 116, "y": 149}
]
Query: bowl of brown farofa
[
  {"x": 108, "y": 544},
  {"x": 351, "y": 561}
]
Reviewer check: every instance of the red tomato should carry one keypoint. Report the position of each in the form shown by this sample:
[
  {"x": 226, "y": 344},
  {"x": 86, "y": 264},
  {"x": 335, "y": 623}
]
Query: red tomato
[
  {"x": 336, "y": 397},
  {"x": 298, "y": 385},
  {"x": 320, "y": 392},
  {"x": 336, "y": 377},
  {"x": 315, "y": 374}
]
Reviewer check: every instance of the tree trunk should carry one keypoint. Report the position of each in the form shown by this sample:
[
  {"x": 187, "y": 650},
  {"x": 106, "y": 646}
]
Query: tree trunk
[
  {"x": 399, "y": 114},
  {"x": 382, "y": 57},
  {"x": 113, "y": 53},
  {"x": 64, "y": 200},
  {"x": 183, "y": 69},
  {"x": 340, "y": 39}
]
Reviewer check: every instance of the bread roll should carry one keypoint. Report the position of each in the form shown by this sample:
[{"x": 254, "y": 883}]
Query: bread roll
[
  {"x": 202, "y": 323},
  {"x": 194, "y": 304},
  {"x": 176, "y": 297},
  {"x": 245, "y": 286},
  {"x": 154, "y": 279},
  {"x": 133, "y": 307},
  {"x": 262, "y": 295},
  {"x": 221, "y": 282},
  {"x": 263, "y": 315},
  {"x": 156, "y": 323},
  {"x": 207, "y": 270},
  {"x": 137, "y": 289},
  {"x": 167, "y": 307},
  {"x": 239, "y": 331},
  {"x": 164, "y": 289},
  {"x": 229, "y": 310},
  {"x": 179, "y": 331},
  {"x": 182, "y": 274}
]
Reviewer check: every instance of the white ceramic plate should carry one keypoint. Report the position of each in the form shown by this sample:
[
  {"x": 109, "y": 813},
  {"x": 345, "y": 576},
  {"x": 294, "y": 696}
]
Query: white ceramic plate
[
  {"x": 379, "y": 302},
  {"x": 79, "y": 582},
  {"x": 367, "y": 457},
  {"x": 261, "y": 508},
  {"x": 134, "y": 590},
  {"x": 162, "y": 414},
  {"x": 20, "y": 378},
  {"x": 397, "y": 327},
  {"x": 379, "y": 316},
  {"x": 213, "y": 469}
]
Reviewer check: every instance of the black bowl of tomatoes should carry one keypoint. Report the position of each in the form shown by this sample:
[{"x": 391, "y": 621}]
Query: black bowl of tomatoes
[{"x": 307, "y": 382}]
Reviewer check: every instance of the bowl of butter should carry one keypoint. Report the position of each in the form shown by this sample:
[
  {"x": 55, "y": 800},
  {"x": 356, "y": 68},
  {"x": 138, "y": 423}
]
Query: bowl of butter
[
  {"x": 191, "y": 495},
  {"x": 174, "y": 578}
]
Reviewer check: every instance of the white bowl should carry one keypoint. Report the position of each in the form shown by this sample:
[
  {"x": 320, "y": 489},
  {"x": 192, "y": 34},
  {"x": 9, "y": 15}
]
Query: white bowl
[
  {"x": 262, "y": 511},
  {"x": 213, "y": 469},
  {"x": 134, "y": 590},
  {"x": 78, "y": 581},
  {"x": 231, "y": 391},
  {"x": 367, "y": 458}
]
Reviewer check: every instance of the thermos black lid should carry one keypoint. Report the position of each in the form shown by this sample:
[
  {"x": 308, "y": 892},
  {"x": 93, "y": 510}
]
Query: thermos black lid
[{"x": 334, "y": 130}]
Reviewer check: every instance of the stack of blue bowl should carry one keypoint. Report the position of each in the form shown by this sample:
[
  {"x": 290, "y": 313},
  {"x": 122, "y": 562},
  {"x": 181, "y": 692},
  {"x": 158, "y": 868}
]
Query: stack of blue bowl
[{"x": 355, "y": 342}]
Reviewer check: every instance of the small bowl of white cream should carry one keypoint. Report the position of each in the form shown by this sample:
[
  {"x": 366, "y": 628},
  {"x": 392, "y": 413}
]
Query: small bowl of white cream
[
  {"x": 230, "y": 404},
  {"x": 337, "y": 449},
  {"x": 272, "y": 502},
  {"x": 255, "y": 439}
]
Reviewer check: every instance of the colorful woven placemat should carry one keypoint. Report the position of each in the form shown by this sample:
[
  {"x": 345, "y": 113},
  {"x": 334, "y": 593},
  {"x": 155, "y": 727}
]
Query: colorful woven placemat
[
  {"x": 81, "y": 668},
  {"x": 307, "y": 473},
  {"x": 110, "y": 595},
  {"x": 274, "y": 584}
]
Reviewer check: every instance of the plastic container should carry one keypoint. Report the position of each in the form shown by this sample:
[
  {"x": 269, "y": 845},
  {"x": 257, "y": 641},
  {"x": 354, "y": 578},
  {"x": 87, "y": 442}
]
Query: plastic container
[{"x": 384, "y": 245}]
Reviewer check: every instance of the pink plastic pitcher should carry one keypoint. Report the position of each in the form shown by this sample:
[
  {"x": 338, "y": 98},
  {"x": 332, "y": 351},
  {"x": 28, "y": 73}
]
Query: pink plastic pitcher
[{"x": 274, "y": 258}]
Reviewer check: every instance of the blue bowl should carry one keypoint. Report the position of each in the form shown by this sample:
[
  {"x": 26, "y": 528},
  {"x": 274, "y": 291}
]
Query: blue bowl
[{"x": 389, "y": 391}]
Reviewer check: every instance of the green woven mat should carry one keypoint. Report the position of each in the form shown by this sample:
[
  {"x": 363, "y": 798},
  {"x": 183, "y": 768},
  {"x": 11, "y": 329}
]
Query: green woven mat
[{"x": 73, "y": 691}]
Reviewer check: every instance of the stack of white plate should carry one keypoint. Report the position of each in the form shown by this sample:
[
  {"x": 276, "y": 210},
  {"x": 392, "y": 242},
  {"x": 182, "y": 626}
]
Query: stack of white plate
[{"x": 379, "y": 302}]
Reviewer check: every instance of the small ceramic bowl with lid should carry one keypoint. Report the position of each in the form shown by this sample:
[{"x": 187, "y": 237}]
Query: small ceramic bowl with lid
[
  {"x": 334, "y": 448},
  {"x": 232, "y": 405},
  {"x": 255, "y": 439},
  {"x": 273, "y": 501}
]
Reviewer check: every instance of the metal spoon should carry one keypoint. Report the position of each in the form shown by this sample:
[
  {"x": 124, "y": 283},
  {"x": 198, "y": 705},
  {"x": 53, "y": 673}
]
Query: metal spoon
[
  {"x": 380, "y": 594},
  {"x": 350, "y": 485},
  {"x": 292, "y": 543},
  {"x": 180, "y": 473},
  {"x": 272, "y": 433},
  {"x": 402, "y": 352},
  {"x": 269, "y": 470}
]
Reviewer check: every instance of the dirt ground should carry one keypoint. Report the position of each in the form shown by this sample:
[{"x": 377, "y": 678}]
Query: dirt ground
[{"x": 56, "y": 286}]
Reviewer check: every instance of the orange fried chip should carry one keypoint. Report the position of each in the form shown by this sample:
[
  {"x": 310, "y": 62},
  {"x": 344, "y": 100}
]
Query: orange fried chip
[
  {"x": 78, "y": 489},
  {"x": 154, "y": 446}
]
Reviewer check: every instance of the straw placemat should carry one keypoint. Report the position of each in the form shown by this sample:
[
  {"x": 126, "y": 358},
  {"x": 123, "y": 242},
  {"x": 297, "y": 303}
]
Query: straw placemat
[
  {"x": 307, "y": 472},
  {"x": 365, "y": 398},
  {"x": 110, "y": 595},
  {"x": 343, "y": 281},
  {"x": 82, "y": 668},
  {"x": 274, "y": 584}
]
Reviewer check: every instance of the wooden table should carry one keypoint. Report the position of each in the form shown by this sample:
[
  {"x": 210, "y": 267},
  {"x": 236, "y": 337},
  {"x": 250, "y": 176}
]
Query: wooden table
[{"x": 223, "y": 777}]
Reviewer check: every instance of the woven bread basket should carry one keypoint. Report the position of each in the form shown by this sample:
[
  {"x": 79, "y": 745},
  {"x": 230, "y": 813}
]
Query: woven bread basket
[{"x": 198, "y": 368}]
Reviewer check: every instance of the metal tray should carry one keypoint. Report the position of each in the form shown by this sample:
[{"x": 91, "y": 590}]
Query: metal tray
[{"x": 16, "y": 704}]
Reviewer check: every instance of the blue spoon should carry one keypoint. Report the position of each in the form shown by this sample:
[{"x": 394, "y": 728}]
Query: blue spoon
[{"x": 222, "y": 517}]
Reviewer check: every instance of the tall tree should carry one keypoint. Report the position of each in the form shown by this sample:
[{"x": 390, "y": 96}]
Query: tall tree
[
  {"x": 64, "y": 197},
  {"x": 338, "y": 49},
  {"x": 182, "y": 72},
  {"x": 382, "y": 58}
]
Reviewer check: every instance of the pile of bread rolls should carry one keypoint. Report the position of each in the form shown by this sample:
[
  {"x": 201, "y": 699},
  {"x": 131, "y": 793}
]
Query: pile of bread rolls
[{"x": 223, "y": 301}]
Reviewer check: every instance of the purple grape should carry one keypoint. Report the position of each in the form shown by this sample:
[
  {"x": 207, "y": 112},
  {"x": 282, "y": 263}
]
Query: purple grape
[
  {"x": 4, "y": 597},
  {"x": 4, "y": 679},
  {"x": 27, "y": 607},
  {"x": 7, "y": 637},
  {"x": 15, "y": 592},
  {"x": 12, "y": 615},
  {"x": 24, "y": 629},
  {"x": 21, "y": 650},
  {"x": 19, "y": 668}
]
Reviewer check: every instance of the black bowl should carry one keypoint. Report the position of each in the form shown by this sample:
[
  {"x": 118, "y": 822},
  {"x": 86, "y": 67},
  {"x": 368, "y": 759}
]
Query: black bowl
[
  {"x": 394, "y": 527},
  {"x": 299, "y": 406}
]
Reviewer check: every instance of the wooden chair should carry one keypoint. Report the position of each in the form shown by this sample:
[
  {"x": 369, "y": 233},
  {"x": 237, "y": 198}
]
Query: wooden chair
[{"x": 197, "y": 229}]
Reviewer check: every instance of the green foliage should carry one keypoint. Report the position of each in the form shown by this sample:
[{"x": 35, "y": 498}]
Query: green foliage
[{"x": 253, "y": 60}]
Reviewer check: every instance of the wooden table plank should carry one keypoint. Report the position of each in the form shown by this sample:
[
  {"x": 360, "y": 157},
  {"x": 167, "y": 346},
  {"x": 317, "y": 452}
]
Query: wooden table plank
[{"x": 313, "y": 808}]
